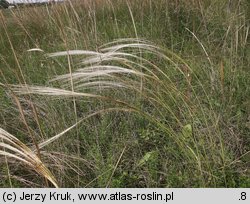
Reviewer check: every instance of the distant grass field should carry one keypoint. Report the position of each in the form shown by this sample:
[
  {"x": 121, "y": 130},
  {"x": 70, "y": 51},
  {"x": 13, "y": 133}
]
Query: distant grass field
[{"x": 136, "y": 93}]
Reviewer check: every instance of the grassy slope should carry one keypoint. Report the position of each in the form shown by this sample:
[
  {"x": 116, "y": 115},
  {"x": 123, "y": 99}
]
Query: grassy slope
[{"x": 124, "y": 149}]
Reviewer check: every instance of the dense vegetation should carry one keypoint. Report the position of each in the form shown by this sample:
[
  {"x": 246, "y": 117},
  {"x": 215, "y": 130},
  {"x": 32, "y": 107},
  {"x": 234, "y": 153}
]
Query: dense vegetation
[
  {"x": 139, "y": 93},
  {"x": 4, "y": 4}
]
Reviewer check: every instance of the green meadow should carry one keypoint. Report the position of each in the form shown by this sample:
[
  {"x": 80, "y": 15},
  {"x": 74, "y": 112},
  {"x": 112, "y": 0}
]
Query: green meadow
[{"x": 125, "y": 93}]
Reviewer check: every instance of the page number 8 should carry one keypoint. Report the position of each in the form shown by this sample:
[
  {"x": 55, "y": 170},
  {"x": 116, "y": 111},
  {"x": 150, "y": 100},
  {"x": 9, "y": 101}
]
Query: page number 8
[{"x": 243, "y": 196}]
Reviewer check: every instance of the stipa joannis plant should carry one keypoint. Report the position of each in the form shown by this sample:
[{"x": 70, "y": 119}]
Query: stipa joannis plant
[
  {"x": 136, "y": 76},
  {"x": 13, "y": 148}
]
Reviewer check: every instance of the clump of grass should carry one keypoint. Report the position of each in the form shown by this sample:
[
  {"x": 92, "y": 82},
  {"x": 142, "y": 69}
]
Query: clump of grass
[
  {"x": 120, "y": 68},
  {"x": 129, "y": 112},
  {"x": 13, "y": 148}
]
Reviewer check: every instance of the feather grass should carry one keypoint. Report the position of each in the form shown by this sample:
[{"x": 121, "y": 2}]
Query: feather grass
[
  {"x": 15, "y": 149},
  {"x": 158, "y": 89}
]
